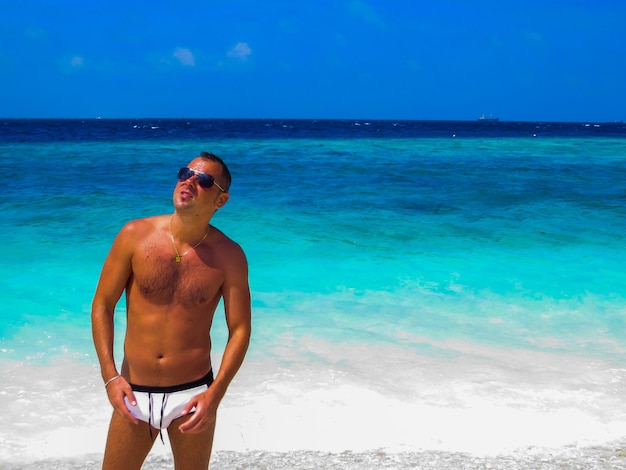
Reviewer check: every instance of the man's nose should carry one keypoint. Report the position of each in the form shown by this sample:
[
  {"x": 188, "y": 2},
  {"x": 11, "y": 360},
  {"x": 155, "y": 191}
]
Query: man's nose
[{"x": 193, "y": 177}]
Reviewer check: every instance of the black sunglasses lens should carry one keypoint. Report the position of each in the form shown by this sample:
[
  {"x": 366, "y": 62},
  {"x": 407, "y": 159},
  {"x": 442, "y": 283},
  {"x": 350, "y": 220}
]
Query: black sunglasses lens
[
  {"x": 184, "y": 174},
  {"x": 204, "y": 180}
]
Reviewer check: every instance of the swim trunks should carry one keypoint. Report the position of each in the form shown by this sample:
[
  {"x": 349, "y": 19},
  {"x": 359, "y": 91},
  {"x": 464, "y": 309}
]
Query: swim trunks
[{"x": 159, "y": 406}]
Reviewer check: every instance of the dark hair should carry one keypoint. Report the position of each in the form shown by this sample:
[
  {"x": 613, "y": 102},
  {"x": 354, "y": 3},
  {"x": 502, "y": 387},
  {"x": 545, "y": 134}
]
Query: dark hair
[{"x": 225, "y": 176}]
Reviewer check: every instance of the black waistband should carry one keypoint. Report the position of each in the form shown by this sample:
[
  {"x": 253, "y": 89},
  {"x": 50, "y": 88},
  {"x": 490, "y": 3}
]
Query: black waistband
[{"x": 206, "y": 380}]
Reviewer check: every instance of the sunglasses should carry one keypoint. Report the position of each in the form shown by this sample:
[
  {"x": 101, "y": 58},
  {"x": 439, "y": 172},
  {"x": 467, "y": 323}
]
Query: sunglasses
[{"x": 205, "y": 180}]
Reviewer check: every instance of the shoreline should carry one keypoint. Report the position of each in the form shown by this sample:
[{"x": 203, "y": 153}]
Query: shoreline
[
  {"x": 590, "y": 458},
  {"x": 532, "y": 404}
]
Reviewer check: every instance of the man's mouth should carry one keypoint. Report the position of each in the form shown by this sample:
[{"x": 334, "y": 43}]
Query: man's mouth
[{"x": 185, "y": 193}]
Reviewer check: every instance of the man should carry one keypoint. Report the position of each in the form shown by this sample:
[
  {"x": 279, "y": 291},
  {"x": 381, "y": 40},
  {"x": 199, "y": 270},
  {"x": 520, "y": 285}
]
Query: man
[{"x": 174, "y": 269}]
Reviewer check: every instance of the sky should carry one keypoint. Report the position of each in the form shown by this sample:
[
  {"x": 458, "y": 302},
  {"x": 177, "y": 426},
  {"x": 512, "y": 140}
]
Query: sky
[{"x": 519, "y": 60}]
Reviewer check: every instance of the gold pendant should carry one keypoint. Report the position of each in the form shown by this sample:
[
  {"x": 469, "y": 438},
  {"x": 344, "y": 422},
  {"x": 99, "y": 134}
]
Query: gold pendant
[{"x": 177, "y": 259}]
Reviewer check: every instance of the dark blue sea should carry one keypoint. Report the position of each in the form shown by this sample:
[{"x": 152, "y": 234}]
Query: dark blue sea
[{"x": 426, "y": 294}]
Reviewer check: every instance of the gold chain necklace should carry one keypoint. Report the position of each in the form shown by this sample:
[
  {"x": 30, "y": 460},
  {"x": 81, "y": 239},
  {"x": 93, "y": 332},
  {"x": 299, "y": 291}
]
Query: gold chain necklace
[{"x": 178, "y": 255}]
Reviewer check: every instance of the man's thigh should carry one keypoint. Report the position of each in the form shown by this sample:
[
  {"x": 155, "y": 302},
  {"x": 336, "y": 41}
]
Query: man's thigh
[
  {"x": 191, "y": 451},
  {"x": 127, "y": 445}
]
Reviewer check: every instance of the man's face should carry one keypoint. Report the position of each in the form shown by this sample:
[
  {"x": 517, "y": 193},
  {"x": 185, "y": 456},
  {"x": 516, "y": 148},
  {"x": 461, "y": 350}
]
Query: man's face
[{"x": 192, "y": 191}]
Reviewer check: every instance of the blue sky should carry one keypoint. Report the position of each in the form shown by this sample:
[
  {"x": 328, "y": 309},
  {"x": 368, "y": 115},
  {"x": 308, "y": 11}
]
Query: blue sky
[{"x": 551, "y": 60}]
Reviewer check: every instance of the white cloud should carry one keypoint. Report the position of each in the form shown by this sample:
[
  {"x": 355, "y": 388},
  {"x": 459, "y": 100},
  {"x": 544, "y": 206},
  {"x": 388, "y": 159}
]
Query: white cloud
[
  {"x": 71, "y": 64},
  {"x": 365, "y": 11},
  {"x": 241, "y": 51},
  {"x": 184, "y": 56},
  {"x": 533, "y": 37},
  {"x": 77, "y": 61}
]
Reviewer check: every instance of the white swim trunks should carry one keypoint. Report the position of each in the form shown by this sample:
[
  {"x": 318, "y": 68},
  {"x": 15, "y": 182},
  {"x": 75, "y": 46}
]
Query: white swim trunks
[{"x": 159, "y": 406}]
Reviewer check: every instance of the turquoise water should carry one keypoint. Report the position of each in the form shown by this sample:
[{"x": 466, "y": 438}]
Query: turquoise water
[{"x": 409, "y": 294}]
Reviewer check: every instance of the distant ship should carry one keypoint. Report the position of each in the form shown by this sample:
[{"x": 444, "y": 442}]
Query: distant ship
[{"x": 488, "y": 119}]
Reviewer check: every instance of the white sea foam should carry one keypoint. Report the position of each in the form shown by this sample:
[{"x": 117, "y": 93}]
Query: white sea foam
[
  {"x": 482, "y": 400},
  {"x": 353, "y": 398}
]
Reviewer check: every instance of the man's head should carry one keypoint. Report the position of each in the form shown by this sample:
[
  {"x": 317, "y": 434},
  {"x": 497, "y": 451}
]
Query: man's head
[
  {"x": 224, "y": 179},
  {"x": 203, "y": 184}
]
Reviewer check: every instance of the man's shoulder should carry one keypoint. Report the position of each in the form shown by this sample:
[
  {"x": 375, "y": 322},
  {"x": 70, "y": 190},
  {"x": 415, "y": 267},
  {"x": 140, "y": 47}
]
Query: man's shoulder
[
  {"x": 143, "y": 226},
  {"x": 221, "y": 238},
  {"x": 226, "y": 244}
]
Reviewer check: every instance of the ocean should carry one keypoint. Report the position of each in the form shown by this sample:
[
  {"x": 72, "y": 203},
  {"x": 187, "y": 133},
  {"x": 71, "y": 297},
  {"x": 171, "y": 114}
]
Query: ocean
[{"x": 426, "y": 294}]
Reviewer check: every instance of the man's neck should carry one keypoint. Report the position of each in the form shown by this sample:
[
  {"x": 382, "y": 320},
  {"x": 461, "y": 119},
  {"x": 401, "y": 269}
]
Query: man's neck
[{"x": 188, "y": 228}]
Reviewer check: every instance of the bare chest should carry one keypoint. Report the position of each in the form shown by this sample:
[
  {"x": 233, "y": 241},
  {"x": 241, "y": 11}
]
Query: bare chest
[{"x": 160, "y": 279}]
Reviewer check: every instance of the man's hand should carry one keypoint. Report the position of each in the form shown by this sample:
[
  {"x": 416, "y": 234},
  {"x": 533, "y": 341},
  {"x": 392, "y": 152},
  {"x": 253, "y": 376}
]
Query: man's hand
[
  {"x": 117, "y": 391},
  {"x": 205, "y": 412}
]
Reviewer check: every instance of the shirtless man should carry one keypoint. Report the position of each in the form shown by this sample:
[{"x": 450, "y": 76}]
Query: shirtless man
[{"x": 174, "y": 269}]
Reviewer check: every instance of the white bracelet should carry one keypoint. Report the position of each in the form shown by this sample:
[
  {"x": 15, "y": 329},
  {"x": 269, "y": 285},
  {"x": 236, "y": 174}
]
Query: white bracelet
[{"x": 106, "y": 384}]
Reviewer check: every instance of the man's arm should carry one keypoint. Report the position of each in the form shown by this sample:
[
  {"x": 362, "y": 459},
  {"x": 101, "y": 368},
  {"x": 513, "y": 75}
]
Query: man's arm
[
  {"x": 113, "y": 278},
  {"x": 238, "y": 310}
]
